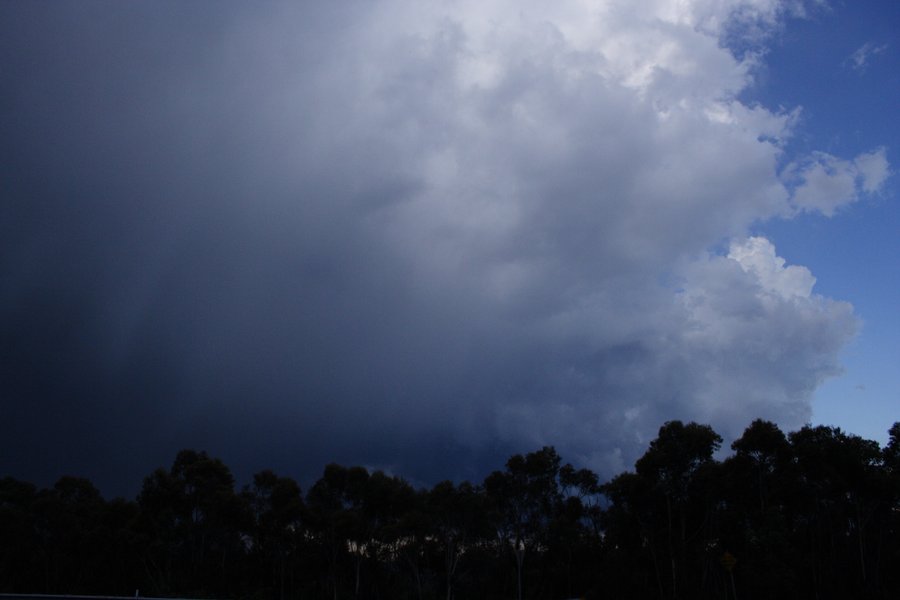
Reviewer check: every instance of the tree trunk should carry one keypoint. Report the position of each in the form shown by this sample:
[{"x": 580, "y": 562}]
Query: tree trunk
[
  {"x": 451, "y": 559},
  {"x": 520, "y": 558},
  {"x": 859, "y": 537},
  {"x": 358, "y": 567},
  {"x": 671, "y": 546}
]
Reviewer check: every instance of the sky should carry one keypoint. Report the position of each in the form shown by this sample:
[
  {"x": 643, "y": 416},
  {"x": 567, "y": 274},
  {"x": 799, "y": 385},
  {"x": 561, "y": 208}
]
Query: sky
[{"x": 420, "y": 237}]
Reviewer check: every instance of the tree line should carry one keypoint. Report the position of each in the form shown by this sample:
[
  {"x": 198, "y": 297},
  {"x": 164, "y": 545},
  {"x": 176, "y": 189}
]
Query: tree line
[{"x": 811, "y": 514}]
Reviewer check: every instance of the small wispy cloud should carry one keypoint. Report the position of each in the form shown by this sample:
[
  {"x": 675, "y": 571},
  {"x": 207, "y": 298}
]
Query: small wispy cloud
[{"x": 860, "y": 59}]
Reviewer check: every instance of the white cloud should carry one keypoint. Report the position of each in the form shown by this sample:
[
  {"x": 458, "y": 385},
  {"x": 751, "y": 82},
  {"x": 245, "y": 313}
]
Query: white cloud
[
  {"x": 873, "y": 169},
  {"x": 556, "y": 164},
  {"x": 477, "y": 221},
  {"x": 756, "y": 255},
  {"x": 863, "y": 55},
  {"x": 827, "y": 183},
  {"x": 765, "y": 340}
]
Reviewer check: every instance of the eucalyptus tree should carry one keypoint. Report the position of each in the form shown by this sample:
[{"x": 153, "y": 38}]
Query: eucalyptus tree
[
  {"x": 890, "y": 533},
  {"x": 573, "y": 543},
  {"x": 357, "y": 517},
  {"x": 21, "y": 551},
  {"x": 634, "y": 530},
  {"x": 673, "y": 465},
  {"x": 69, "y": 521},
  {"x": 842, "y": 494},
  {"x": 334, "y": 503},
  {"x": 278, "y": 530},
  {"x": 389, "y": 527},
  {"x": 759, "y": 487},
  {"x": 525, "y": 498},
  {"x": 459, "y": 522},
  {"x": 193, "y": 525}
]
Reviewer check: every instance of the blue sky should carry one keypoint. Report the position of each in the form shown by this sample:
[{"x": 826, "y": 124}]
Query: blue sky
[{"x": 848, "y": 107}]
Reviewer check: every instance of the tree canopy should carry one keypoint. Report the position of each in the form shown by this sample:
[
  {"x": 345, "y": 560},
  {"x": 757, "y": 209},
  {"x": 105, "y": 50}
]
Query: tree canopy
[{"x": 813, "y": 513}]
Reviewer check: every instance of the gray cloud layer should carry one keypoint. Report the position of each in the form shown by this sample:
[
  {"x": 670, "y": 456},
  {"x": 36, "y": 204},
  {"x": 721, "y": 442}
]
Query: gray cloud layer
[{"x": 395, "y": 234}]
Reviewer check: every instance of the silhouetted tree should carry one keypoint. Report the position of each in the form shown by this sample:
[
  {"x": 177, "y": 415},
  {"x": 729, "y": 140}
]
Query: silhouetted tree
[
  {"x": 814, "y": 514},
  {"x": 278, "y": 531},
  {"x": 22, "y": 558},
  {"x": 758, "y": 486},
  {"x": 525, "y": 498},
  {"x": 458, "y": 520},
  {"x": 841, "y": 493},
  {"x": 193, "y": 525},
  {"x": 673, "y": 464}
]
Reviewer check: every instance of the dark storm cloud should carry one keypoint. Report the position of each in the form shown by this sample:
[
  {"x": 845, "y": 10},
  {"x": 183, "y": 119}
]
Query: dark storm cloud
[{"x": 385, "y": 234}]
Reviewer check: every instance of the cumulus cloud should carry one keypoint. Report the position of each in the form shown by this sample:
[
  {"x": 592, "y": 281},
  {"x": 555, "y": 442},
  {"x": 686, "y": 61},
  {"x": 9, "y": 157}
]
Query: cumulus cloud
[
  {"x": 828, "y": 182},
  {"x": 756, "y": 255},
  {"x": 765, "y": 340},
  {"x": 412, "y": 234}
]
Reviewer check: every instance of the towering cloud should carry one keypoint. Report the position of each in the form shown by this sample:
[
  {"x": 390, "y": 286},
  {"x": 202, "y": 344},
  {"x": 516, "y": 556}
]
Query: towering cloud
[{"x": 405, "y": 233}]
